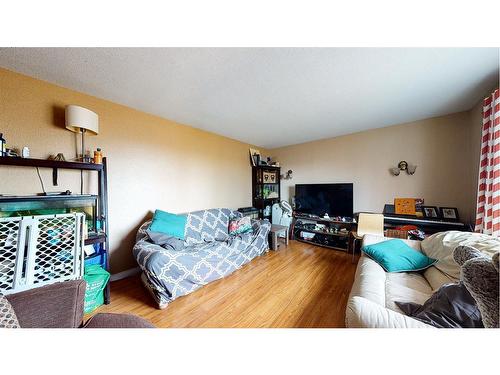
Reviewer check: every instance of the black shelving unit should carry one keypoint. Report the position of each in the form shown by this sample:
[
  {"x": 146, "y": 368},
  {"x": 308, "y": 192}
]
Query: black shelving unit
[
  {"x": 266, "y": 189},
  {"x": 102, "y": 202},
  {"x": 336, "y": 234}
]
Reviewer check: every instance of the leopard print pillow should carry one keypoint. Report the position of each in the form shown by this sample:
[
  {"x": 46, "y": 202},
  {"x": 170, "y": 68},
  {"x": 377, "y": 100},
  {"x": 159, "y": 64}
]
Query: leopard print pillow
[{"x": 8, "y": 318}]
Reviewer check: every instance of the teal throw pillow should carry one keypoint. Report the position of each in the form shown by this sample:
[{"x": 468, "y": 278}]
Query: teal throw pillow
[
  {"x": 171, "y": 224},
  {"x": 396, "y": 256}
]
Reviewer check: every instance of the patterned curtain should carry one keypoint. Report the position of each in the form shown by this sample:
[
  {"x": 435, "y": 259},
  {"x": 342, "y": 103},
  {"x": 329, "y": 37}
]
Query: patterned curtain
[{"x": 488, "y": 192}]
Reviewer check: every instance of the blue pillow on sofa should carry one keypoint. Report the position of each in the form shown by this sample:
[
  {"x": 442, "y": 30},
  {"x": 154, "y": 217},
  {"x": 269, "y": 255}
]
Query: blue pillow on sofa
[
  {"x": 396, "y": 256},
  {"x": 168, "y": 223}
]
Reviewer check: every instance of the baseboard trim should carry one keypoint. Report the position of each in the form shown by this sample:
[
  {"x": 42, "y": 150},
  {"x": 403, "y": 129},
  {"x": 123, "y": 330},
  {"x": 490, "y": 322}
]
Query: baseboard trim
[{"x": 125, "y": 274}]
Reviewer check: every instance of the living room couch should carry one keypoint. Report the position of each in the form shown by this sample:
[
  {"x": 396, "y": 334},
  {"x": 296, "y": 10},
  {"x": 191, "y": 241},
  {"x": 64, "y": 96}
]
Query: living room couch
[
  {"x": 60, "y": 305},
  {"x": 206, "y": 253},
  {"x": 372, "y": 299}
]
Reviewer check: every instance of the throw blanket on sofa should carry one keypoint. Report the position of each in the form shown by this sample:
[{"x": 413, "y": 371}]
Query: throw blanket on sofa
[{"x": 209, "y": 253}]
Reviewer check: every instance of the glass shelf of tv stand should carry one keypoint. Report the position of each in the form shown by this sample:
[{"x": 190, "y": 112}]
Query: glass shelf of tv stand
[
  {"x": 339, "y": 233},
  {"x": 323, "y": 219}
]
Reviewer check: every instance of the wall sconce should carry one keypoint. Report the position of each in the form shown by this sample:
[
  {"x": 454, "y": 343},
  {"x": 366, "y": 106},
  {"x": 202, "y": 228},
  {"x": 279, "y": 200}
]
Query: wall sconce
[
  {"x": 288, "y": 175},
  {"x": 403, "y": 166}
]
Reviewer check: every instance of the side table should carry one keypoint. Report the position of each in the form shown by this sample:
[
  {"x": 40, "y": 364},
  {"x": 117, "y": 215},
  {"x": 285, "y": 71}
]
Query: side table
[{"x": 273, "y": 235}]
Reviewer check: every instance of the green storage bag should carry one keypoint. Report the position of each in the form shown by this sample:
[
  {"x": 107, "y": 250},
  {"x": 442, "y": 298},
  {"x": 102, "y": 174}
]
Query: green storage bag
[{"x": 96, "y": 278}]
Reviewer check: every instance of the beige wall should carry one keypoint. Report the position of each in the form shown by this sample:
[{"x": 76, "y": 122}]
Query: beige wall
[
  {"x": 153, "y": 163},
  {"x": 156, "y": 163},
  {"x": 440, "y": 147}
]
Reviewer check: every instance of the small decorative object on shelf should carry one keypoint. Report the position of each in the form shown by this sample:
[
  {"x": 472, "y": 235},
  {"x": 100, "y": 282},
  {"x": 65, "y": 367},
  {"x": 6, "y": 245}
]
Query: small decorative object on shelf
[
  {"x": 3, "y": 146},
  {"x": 25, "y": 153},
  {"x": 98, "y": 156},
  {"x": 58, "y": 157},
  {"x": 254, "y": 157}
]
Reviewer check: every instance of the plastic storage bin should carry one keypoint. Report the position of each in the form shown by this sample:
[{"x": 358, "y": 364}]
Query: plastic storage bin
[{"x": 99, "y": 257}]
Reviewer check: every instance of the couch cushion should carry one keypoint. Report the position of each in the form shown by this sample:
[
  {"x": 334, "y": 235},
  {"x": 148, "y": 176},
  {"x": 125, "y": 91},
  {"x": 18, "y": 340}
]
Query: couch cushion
[
  {"x": 208, "y": 225},
  {"x": 396, "y": 256},
  {"x": 436, "y": 278},
  {"x": 406, "y": 287},
  {"x": 108, "y": 320},
  {"x": 440, "y": 246},
  {"x": 240, "y": 225}
]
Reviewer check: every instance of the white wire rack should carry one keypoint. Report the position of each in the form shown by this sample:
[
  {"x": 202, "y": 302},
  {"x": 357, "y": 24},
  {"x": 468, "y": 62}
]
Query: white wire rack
[{"x": 40, "y": 250}]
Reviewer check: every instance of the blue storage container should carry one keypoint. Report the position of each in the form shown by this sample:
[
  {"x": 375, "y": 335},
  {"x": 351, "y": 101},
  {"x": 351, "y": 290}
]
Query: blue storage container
[{"x": 98, "y": 258}]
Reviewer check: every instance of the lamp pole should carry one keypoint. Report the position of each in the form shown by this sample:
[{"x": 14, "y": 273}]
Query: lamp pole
[{"x": 83, "y": 144}]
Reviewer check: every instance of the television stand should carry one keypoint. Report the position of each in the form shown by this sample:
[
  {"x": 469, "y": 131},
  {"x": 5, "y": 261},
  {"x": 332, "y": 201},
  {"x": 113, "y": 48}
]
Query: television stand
[{"x": 326, "y": 232}]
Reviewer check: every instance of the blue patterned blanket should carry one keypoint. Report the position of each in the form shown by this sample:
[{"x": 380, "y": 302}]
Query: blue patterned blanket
[{"x": 209, "y": 253}]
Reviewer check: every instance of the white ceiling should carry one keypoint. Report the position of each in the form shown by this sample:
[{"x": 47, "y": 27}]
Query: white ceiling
[{"x": 272, "y": 97}]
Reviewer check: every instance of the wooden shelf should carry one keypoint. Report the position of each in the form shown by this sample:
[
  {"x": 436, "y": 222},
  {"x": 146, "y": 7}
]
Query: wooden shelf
[{"x": 42, "y": 163}]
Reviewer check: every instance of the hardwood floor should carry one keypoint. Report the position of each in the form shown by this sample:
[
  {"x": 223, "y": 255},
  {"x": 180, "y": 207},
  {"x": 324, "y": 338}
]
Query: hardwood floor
[{"x": 298, "y": 286}]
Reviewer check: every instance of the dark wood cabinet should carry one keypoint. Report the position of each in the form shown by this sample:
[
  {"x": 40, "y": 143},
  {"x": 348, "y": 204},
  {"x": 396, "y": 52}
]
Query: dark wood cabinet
[{"x": 266, "y": 189}]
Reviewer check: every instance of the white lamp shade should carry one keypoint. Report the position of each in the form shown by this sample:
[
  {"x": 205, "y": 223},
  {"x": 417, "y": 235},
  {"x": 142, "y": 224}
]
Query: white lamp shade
[{"x": 78, "y": 118}]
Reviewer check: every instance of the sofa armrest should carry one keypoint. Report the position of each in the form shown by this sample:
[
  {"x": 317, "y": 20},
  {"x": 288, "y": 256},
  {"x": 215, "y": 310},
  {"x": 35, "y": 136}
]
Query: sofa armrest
[
  {"x": 363, "y": 313},
  {"x": 58, "y": 305}
]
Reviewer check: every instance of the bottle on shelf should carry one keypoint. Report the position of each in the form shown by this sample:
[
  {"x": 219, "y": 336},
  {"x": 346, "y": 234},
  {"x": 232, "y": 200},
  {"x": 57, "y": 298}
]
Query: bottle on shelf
[
  {"x": 2, "y": 145},
  {"x": 98, "y": 156}
]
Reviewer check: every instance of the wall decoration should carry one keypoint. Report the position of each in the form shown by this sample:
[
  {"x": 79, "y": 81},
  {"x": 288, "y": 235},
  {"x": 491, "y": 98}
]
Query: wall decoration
[
  {"x": 404, "y": 206},
  {"x": 449, "y": 213},
  {"x": 254, "y": 157},
  {"x": 430, "y": 212},
  {"x": 269, "y": 177},
  {"x": 403, "y": 166}
]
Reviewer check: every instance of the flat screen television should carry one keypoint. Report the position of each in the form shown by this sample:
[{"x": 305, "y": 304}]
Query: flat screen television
[{"x": 321, "y": 199}]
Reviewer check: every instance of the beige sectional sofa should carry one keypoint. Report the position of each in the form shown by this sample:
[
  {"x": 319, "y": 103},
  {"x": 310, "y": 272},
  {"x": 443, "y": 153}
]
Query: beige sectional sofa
[{"x": 371, "y": 301}]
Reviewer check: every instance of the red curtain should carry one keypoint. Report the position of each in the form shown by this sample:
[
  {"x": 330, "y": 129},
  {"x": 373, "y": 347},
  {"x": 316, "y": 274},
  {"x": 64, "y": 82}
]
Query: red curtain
[{"x": 488, "y": 192}]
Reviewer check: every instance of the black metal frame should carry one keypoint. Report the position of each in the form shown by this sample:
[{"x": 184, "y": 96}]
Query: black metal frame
[
  {"x": 261, "y": 203},
  {"x": 102, "y": 194}
]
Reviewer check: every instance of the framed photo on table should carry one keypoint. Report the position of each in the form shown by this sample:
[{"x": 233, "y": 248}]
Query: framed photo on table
[
  {"x": 449, "y": 213},
  {"x": 430, "y": 212}
]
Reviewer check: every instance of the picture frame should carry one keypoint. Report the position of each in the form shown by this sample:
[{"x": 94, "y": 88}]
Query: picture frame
[
  {"x": 449, "y": 213},
  {"x": 430, "y": 212},
  {"x": 254, "y": 157},
  {"x": 269, "y": 177}
]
